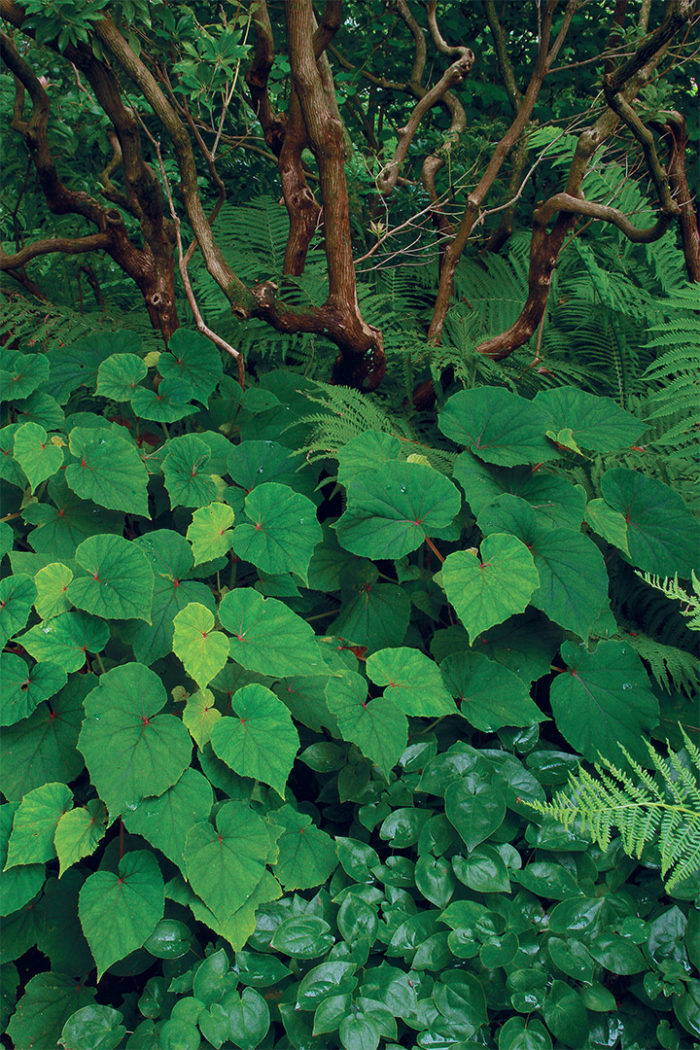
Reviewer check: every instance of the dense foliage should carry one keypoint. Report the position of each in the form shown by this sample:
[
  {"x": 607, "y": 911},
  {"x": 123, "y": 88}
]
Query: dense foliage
[{"x": 334, "y": 718}]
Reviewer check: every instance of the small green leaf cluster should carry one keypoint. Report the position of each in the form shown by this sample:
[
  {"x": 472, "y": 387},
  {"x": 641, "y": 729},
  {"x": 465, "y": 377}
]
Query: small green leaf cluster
[{"x": 268, "y": 747}]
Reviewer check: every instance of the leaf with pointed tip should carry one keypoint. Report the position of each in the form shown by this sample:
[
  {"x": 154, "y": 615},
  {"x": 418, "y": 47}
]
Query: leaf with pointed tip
[
  {"x": 608, "y": 523},
  {"x": 282, "y": 530},
  {"x": 23, "y": 688},
  {"x": 130, "y": 750},
  {"x": 307, "y": 855},
  {"x": 38, "y": 457},
  {"x": 21, "y": 374},
  {"x": 185, "y": 472},
  {"x": 378, "y": 727},
  {"x": 554, "y": 498},
  {"x": 34, "y": 824},
  {"x": 118, "y": 913},
  {"x": 594, "y": 422},
  {"x": 389, "y": 514},
  {"x": 66, "y": 521},
  {"x": 487, "y": 590},
  {"x": 19, "y": 885},
  {"x": 107, "y": 470},
  {"x": 118, "y": 581},
  {"x": 200, "y": 715},
  {"x": 262, "y": 742},
  {"x": 79, "y": 832},
  {"x": 119, "y": 375},
  {"x": 497, "y": 426},
  {"x": 266, "y": 636},
  {"x": 368, "y": 451},
  {"x": 412, "y": 680},
  {"x": 66, "y": 639},
  {"x": 489, "y": 695},
  {"x": 165, "y": 821},
  {"x": 17, "y": 594},
  {"x": 194, "y": 359},
  {"x": 49, "y": 1000},
  {"x": 166, "y": 405},
  {"x": 210, "y": 532},
  {"x": 254, "y": 463},
  {"x": 51, "y": 584},
  {"x": 203, "y": 650}
]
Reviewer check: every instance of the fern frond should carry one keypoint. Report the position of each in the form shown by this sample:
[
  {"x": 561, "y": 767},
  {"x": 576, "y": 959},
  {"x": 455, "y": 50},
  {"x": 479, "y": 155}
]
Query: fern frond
[
  {"x": 646, "y": 808},
  {"x": 672, "y": 589}
]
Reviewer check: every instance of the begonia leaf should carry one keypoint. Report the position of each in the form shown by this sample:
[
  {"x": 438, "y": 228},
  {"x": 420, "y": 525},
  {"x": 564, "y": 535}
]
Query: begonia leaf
[
  {"x": 378, "y": 727},
  {"x": 497, "y": 426},
  {"x": 66, "y": 639},
  {"x": 185, "y": 470},
  {"x": 165, "y": 821},
  {"x": 35, "y": 822},
  {"x": 79, "y": 832},
  {"x": 51, "y": 584},
  {"x": 24, "y": 688},
  {"x": 307, "y": 855},
  {"x": 203, "y": 650},
  {"x": 210, "y": 532},
  {"x": 261, "y": 742},
  {"x": 17, "y": 594},
  {"x": 412, "y": 680},
  {"x": 118, "y": 581},
  {"x": 266, "y": 636},
  {"x": 595, "y": 422},
  {"x": 281, "y": 532},
  {"x": 119, "y": 375},
  {"x": 38, "y": 456},
  {"x": 489, "y": 695},
  {"x": 192, "y": 358},
  {"x": 107, "y": 470}
]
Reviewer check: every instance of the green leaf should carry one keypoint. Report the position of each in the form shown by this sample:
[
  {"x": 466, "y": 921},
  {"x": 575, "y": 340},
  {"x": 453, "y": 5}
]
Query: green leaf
[
  {"x": 93, "y": 1028},
  {"x": 42, "y": 747},
  {"x": 77, "y": 363},
  {"x": 65, "y": 522},
  {"x": 554, "y": 498},
  {"x": 130, "y": 750},
  {"x": 17, "y": 593},
  {"x": 49, "y": 1000},
  {"x": 249, "y": 1017},
  {"x": 195, "y": 359},
  {"x": 185, "y": 473},
  {"x": 34, "y": 824},
  {"x": 51, "y": 584},
  {"x": 226, "y": 863},
  {"x": 165, "y": 821},
  {"x": 21, "y": 374},
  {"x": 9, "y": 469},
  {"x": 487, "y": 590},
  {"x": 25, "y": 688},
  {"x": 412, "y": 680},
  {"x": 79, "y": 832},
  {"x": 267, "y": 636},
  {"x": 167, "y": 404},
  {"x": 497, "y": 426},
  {"x": 334, "y": 977},
  {"x": 203, "y": 650},
  {"x": 572, "y": 958},
  {"x": 369, "y": 451},
  {"x": 200, "y": 715},
  {"x": 604, "y": 701},
  {"x": 521, "y": 1034},
  {"x": 254, "y": 463},
  {"x": 617, "y": 954},
  {"x": 389, "y": 516},
  {"x": 283, "y": 530},
  {"x": 595, "y": 422},
  {"x": 66, "y": 639},
  {"x": 489, "y": 695},
  {"x": 378, "y": 727},
  {"x": 662, "y": 535},
  {"x": 38, "y": 456},
  {"x": 210, "y": 532},
  {"x": 107, "y": 470},
  {"x": 484, "y": 871},
  {"x": 358, "y": 1033},
  {"x": 372, "y": 614},
  {"x": 118, "y": 581},
  {"x": 307, "y": 855},
  {"x": 475, "y": 808},
  {"x": 21, "y": 884},
  {"x": 262, "y": 742},
  {"x": 565, "y": 1015},
  {"x": 170, "y": 940},
  {"x": 119, "y": 912},
  {"x": 303, "y": 937},
  {"x": 608, "y": 523},
  {"x": 119, "y": 375}
]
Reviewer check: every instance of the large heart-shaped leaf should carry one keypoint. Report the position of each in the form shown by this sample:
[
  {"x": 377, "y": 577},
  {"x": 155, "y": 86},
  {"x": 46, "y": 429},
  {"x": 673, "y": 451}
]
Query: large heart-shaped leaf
[
  {"x": 307, "y": 855},
  {"x": 187, "y": 479},
  {"x": 554, "y": 498},
  {"x": 119, "y": 375},
  {"x": 371, "y": 450},
  {"x": 119, "y": 912},
  {"x": 378, "y": 727},
  {"x": 475, "y": 808},
  {"x": 65, "y": 522},
  {"x": 662, "y": 535},
  {"x": 38, "y": 456},
  {"x": 66, "y": 639},
  {"x": 118, "y": 581},
  {"x": 282, "y": 530},
  {"x": 49, "y": 1000},
  {"x": 390, "y": 514},
  {"x": 51, "y": 584},
  {"x": 487, "y": 590},
  {"x": 372, "y": 614},
  {"x": 79, "y": 832},
  {"x": 17, "y": 594},
  {"x": 24, "y": 688},
  {"x": 203, "y": 650},
  {"x": 604, "y": 701},
  {"x": 107, "y": 470},
  {"x": 130, "y": 750},
  {"x": 595, "y": 422},
  {"x": 210, "y": 532},
  {"x": 268, "y": 637},
  {"x": 21, "y": 374},
  {"x": 193, "y": 358},
  {"x": 167, "y": 404},
  {"x": 489, "y": 695},
  {"x": 34, "y": 824},
  {"x": 164, "y": 821},
  {"x": 412, "y": 680},
  {"x": 254, "y": 463},
  {"x": 261, "y": 742},
  {"x": 497, "y": 426}
]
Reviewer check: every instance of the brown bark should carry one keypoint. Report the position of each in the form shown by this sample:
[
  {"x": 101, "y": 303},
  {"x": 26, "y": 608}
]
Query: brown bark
[{"x": 678, "y": 179}]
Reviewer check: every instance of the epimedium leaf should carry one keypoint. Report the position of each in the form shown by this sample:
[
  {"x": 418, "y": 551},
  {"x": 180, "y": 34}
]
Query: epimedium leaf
[
  {"x": 224, "y": 864},
  {"x": 519, "y": 1033},
  {"x": 282, "y": 530},
  {"x": 17, "y": 595},
  {"x": 412, "y": 680},
  {"x": 118, "y": 912},
  {"x": 210, "y": 532},
  {"x": 66, "y": 639},
  {"x": 200, "y": 715},
  {"x": 268, "y": 637},
  {"x": 51, "y": 584},
  {"x": 662, "y": 535},
  {"x": 118, "y": 580},
  {"x": 604, "y": 701},
  {"x": 595, "y": 422},
  {"x": 192, "y": 358},
  {"x": 37, "y": 454},
  {"x": 475, "y": 808},
  {"x": 573, "y": 578},
  {"x": 389, "y": 515},
  {"x": 131, "y": 750},
  {"x": 48, "y": 1001},
  {"x": 79, "y": 832},
  {"x": 24, "y": 688},
  {"x": 66, "y": 521},
  {"x": 185, "y": 472},
  {"x": 165, "y": 821},
  {"x": 34, "y": 824},
  {"x": 262, "y": 742},
  {"x": 203, "y": 650},
  {"x": 497, "y": 426},
  {"x": 93, "y": 1028},
  {"x": 378, "y": 727},
  {"x": 487, "y": 590},
  {"x": 107, "y": 470},
  {"x": 119, "y": 375},
  {"x": 307, "y": 855},
  {"x": 489, "y": 695}
]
